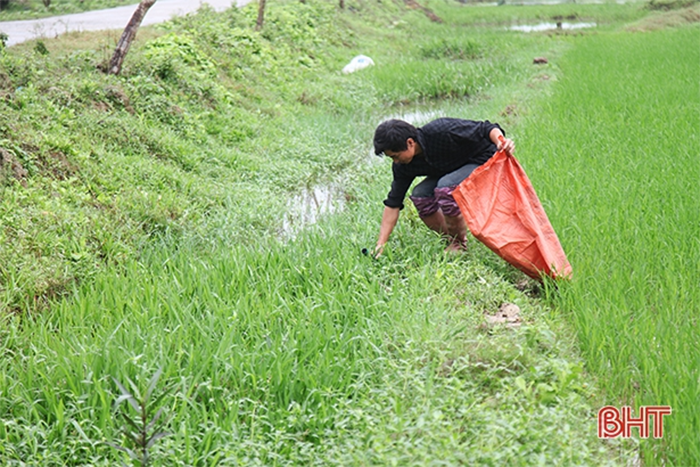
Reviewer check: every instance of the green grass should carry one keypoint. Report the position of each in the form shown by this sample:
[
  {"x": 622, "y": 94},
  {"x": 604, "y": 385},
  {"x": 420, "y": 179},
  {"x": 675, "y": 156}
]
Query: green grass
[
  {"x": 616, "y": 147},
  {"x": 301, "y": 353}
]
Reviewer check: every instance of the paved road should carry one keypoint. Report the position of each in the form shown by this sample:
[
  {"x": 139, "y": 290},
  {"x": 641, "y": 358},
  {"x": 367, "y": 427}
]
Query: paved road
[{"x": 113, "y": 18}]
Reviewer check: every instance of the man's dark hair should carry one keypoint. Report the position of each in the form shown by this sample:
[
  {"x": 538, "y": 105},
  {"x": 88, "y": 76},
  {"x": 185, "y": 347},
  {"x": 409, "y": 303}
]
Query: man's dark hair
[{"x": 392, "y": 135}]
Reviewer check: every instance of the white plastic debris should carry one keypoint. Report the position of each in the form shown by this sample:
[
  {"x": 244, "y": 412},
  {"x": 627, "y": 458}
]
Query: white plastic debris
[{"x": 358, "y": 63}]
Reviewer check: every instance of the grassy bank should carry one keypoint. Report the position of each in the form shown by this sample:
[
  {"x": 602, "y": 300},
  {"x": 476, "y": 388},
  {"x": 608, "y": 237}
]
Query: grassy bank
[
  {"x": 622, "y": 132},
  {"x": 305, "y": 353},
  {"x": 146, "y": 214}
]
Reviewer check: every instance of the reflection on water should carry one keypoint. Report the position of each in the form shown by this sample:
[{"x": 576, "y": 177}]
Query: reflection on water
[
  {"x": 548, "y": 26},
  {"x": 419, "y": 117},
  {"x": 307, "y": 207}
]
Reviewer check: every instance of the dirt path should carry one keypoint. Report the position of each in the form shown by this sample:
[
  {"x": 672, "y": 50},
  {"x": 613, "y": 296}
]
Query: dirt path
[{"x": 113, "y": 18}]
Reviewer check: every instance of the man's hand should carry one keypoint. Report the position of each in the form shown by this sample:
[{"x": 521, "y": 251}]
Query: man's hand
[
  {"x": 501, "y": 142},
  {"x": 378, "y": 250},
  {"x": 507, "y": 145}
]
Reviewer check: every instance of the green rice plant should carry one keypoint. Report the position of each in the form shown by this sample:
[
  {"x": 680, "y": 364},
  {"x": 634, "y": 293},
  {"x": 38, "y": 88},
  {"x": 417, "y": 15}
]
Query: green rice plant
[{"x": 613, "y": 156}]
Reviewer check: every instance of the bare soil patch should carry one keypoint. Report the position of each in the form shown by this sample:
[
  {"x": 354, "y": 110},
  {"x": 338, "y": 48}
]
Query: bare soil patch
[{"x": 668, "y": 19}]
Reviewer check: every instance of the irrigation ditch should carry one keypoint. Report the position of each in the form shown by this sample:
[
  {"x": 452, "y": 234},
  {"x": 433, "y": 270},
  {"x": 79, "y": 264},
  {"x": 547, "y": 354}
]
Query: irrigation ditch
[{"x": 309, "y": 206}]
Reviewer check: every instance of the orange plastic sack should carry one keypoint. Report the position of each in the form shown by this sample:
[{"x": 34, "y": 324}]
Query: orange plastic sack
[{"x": 503, "y": 211}]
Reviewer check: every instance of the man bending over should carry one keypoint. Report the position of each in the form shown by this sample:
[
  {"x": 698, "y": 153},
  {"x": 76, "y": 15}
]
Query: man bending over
[{"x": 446, "y": 151}]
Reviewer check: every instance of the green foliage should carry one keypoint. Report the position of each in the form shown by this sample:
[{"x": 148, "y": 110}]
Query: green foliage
[
  {"x": 172, "y": 51},
  {"x": 421, "y": 80},
  {"x": 40, "y": 48}
]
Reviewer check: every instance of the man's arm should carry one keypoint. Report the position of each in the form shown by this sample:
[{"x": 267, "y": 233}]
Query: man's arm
[
  {"x": 507, "y": 145},
  {"x": 389, "y": 219}
]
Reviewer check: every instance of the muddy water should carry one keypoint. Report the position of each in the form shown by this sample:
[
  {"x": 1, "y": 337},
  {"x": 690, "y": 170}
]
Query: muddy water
[
  {"x": 548, "y": 26},
  {"x": 309, "y": 206},
  {"x": 419, "y": 117}
]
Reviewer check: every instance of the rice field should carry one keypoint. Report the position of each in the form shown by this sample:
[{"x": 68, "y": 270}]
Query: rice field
[{"x": 617, "y": 148}]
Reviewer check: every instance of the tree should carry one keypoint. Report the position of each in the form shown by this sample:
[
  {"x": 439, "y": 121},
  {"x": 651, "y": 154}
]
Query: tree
[
  {"x": 3, "y": 4},
  {"x": 115, "y": 65},
  {"x": 261, "y": 15}
]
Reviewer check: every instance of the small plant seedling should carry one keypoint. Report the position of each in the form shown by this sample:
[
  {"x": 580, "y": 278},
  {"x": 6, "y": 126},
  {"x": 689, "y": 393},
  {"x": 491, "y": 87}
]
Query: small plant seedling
[{"x": 141, "y": 432}]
